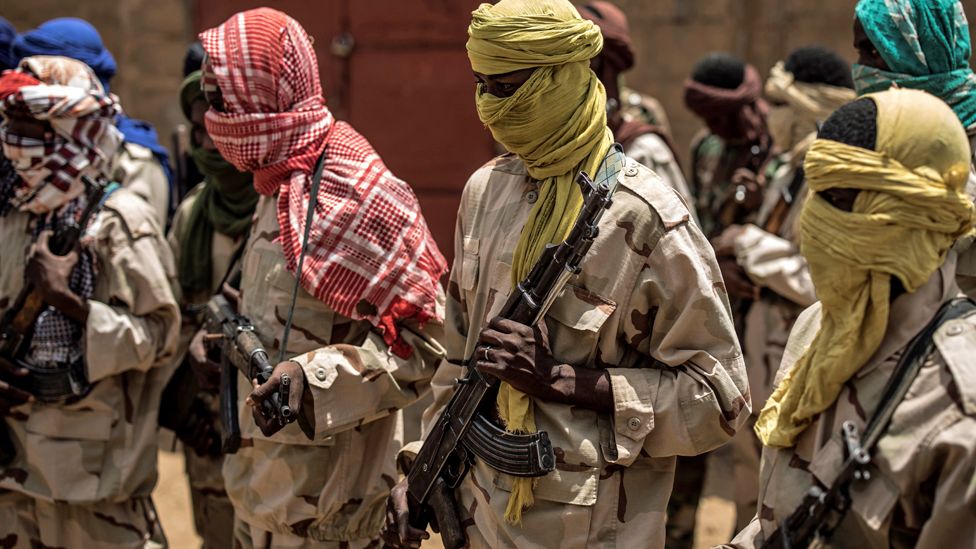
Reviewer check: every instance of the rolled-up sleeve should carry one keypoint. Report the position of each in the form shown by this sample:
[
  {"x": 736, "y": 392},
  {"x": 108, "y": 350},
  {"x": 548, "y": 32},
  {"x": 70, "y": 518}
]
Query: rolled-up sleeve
[
  {"x": 353, "y": 385},
  {"x": 775, "y": 263},
  {"x": 688, "y": 393}
]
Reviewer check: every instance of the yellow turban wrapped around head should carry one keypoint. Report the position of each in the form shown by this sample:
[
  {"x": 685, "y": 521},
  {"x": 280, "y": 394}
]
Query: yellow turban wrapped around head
[
  {"x": 556, "y": 123},
  {"x": 911, "y": 208}
]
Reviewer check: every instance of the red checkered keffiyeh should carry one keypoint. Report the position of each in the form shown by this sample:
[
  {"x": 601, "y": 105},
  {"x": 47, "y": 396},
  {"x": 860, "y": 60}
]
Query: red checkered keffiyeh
[{"x": 370, "y": 254}]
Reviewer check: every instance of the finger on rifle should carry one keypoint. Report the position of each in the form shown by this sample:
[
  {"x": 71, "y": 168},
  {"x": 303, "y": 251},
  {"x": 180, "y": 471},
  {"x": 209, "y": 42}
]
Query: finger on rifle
[
  {"x": 490, "y": 338},
  {"x": 263, "y": 392},
  {"x": 409, "y": 536},
  {"x": 14, "y": 395},
  {"x": 11, "y": 369},
  {"x": 507, "y": 326}
]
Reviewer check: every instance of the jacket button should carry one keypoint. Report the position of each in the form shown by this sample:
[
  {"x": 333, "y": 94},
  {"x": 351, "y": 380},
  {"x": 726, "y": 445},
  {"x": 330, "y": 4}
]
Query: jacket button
[
  {"x": 631, "y": 171},
  {"x": 954, "y": 330},
  {"x": 531, "y": 196},
  {"x": 634, "y": 423},
  {"x": 321, "y": 374}
]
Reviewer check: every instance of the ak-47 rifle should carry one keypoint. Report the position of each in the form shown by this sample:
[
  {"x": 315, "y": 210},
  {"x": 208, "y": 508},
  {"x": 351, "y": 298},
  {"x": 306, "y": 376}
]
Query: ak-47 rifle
[
  {"x": 241, "y": 349},
  {"x": 824, "y": 507},
  {"x": 17, "y": 324},
  {"x": 463, "y": 429}
]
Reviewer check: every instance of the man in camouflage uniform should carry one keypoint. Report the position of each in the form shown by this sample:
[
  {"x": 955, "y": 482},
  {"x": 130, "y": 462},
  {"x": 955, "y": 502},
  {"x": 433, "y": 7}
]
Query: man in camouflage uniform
[
  {"x": 636, "y": 361},
  {"x": 728, "y": 156},
  {"x": 208, "y": 230},
  {"x": 369, "y": 307},
  {"x": 83, "y": 469},
  {"x": 647, "y": 143},
  {"x": 761, "y": 263},
  {"x": 922, "y": 45},
  {"x": 901, "y": 156}
]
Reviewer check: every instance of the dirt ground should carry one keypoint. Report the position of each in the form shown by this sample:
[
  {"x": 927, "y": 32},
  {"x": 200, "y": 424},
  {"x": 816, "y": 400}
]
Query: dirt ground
[{"x": 716, "y": 515}]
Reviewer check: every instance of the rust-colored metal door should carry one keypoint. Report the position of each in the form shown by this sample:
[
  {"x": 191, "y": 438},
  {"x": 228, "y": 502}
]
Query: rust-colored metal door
[{"x": 397, "y": 71}]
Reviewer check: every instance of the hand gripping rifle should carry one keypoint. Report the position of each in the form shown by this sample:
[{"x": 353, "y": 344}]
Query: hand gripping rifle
[
  {"x": 824, "y": 507},
  {"x": 17, "y": 324},
  {"x": 463, "y": 429},
  {"x": 241, "y": 349}
]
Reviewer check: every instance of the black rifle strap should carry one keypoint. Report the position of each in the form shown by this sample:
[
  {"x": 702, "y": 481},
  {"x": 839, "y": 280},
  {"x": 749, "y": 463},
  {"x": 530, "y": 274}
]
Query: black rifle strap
[
  {"x": 313, "y": 200},
  {"x": 907, "y": 370}
]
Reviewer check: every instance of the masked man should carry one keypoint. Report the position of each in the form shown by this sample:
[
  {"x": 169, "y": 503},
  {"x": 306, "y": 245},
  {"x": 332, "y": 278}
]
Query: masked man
[
  {"x": 761, "y": 262},
  {"x": 648, "y": 144},
  {"x": 728, "y": 157},
  {"x": 362, "y": 340},
  {"x": 208, "y": 230},
  {"x": 141, "y": 163},
  {"x": 888, "y": 174},
  {"x": 636, "y": 360},
  {"x": 84, "y": 463},
  {"x": 922, "y": 45}
]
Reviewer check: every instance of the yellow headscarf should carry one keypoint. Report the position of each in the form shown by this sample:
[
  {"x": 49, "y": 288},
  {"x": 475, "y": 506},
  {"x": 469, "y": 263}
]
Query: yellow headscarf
[
  {"x": 806, "y": 105},
  {"x": 911, "y": 208},
  {"x": 555, "y": 122}
]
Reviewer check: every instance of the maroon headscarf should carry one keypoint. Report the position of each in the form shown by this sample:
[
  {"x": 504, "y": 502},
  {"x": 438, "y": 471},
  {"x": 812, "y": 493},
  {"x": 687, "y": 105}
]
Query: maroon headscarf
[{"x": 738, "y": 114}]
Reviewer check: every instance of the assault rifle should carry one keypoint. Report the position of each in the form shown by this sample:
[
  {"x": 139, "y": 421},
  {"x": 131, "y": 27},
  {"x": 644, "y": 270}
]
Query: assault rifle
[
  {"x": 241, "y": 350},
  {"x": 823, "y": 508},
  {"x": 463, "y": 429},
  {"x": 17, "y": 324}
]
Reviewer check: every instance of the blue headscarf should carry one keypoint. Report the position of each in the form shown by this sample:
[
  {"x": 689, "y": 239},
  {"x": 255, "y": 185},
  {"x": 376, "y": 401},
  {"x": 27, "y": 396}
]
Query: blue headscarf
[
  {"x": 78, "y": 39},
  {"x": 926, "y": 46},
  {"x": 7, "y": 35}
]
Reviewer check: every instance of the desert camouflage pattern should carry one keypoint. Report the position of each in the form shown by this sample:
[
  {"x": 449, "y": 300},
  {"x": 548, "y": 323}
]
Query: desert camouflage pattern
[
  {"x": 135, "y": 168},
  {"x": 650, "y": 308},
  {"x": 29, "y": 523},
  {"x": 774, "y": 264},
  {"x": 651, "y": 151},
  {"x": 213, "y": 514},
  {"x": 920, "y": 491},
  {"x": 101, "y": 449},
  {"x": 333, "y": 488}
]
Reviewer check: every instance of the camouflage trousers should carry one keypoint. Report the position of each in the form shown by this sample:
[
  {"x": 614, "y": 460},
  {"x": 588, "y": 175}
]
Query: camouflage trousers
[
  {"x": 252, "y": 537},
  {"x": 213, "y": 514},
  {"x": 26, "y": 522}
]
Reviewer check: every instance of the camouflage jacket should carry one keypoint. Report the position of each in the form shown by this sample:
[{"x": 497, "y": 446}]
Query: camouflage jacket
[
  {"x": 773, "y": 262},
  {"x": 649, "y": 307},
  {"x": 135, "y": 168},
  {"x": 102, "y": 447},
  {"x": 335, "y": 486},
  {"x": 920, "y": 491},
  {"x": 713, "y": 163},
  {"x": 651, "y": 151}
]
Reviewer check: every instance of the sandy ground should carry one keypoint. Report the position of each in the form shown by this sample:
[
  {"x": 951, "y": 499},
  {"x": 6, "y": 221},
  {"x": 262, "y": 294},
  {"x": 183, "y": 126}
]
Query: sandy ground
[{"x": 716, "y": 515}]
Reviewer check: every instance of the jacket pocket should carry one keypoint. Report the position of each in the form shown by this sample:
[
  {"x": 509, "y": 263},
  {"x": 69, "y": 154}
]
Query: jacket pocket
[
  {"x": 469, "y": 264},
  {"x": 55, "y": 437},
  {"x": 579, "y": 314}
]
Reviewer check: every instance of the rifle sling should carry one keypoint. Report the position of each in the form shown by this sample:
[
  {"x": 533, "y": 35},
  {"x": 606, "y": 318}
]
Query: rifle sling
[
  {"x": 313, "y": 201},
  {"x": 901, "y": 380}
]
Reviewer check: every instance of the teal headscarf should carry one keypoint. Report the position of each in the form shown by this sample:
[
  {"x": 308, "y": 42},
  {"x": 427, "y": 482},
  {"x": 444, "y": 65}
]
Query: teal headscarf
[{"x": 926, "y": 45}]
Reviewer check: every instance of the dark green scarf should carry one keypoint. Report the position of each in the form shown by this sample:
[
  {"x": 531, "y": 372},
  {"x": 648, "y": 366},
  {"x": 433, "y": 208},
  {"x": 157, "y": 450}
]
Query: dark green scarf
[{"x": 225, "y": 204}]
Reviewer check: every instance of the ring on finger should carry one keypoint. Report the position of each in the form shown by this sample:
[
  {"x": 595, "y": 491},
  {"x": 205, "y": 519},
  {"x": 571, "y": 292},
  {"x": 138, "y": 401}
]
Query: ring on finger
[{"x": 486, "y": 349}]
